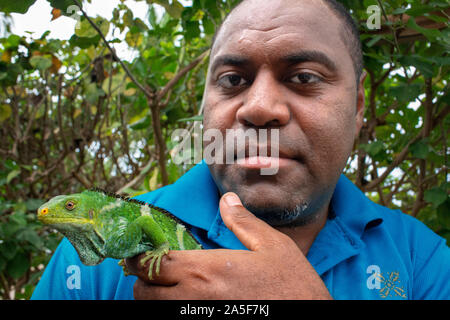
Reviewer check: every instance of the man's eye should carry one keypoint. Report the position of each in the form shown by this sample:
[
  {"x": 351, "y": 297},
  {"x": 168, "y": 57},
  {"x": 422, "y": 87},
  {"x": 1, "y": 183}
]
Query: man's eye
[
  {"x": 231, "y": 81},
  {"x": 305, "y": 78}
]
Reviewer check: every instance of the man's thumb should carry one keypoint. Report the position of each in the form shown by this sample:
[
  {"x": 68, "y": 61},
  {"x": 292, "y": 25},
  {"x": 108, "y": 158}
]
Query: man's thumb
[{"x": 250, "y": 230}]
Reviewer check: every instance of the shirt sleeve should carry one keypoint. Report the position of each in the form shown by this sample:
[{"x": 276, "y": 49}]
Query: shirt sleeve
[
  {"x": 67, "y": 278},
  {"x": 53, "y": 284},
  {"x": 432, "y": 270}
]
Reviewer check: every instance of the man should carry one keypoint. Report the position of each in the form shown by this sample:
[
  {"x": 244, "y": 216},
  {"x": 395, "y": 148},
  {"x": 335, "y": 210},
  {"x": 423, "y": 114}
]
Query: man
[{"x": 305, "y": 232}]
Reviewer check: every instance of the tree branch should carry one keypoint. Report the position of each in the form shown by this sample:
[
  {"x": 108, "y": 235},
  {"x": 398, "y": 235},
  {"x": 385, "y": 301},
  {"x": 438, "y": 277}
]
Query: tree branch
[
  {"x": 402, "y": 155},
  {"x": 180, "y": 75},
  {"x": 160, "y": 143},
  {"x": 143, "y": 171},
  {"x": 81, "y": 179},
  {"x": 148, "y": 93},
  {"x": 428, "y": 121}
]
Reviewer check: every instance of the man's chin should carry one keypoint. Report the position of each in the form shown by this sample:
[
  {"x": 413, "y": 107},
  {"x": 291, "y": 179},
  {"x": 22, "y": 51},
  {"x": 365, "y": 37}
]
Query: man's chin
[
  {"x": 281, "y": 199},
  {"x": 297, "y": 215}
]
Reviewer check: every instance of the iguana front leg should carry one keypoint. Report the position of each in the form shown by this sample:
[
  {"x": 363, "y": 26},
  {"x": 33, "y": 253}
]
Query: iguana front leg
[
  {"x": 158, "y": 239},
  {"x": 147, "y": 225}
]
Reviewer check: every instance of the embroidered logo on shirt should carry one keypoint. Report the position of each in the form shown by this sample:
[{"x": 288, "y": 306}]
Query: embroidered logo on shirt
[{"x": 389, "y": 285}]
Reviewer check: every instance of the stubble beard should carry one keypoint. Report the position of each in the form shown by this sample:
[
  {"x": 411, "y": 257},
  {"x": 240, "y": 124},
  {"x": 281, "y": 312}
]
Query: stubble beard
[{"x": 300, "y": 215}]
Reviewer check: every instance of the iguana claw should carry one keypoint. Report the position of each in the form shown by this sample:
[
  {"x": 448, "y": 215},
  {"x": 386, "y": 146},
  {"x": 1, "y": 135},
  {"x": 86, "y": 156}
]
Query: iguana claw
[
  {"x": 155, "y": 256},
  {"x": 124, "y": 267}
]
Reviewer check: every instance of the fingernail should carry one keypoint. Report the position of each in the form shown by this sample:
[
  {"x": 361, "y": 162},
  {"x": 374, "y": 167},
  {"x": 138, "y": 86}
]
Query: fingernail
[{"x": 232, "y": 200}]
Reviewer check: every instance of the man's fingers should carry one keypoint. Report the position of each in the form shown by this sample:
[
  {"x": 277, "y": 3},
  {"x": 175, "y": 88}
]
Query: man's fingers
[
  {"x": 254, "y": 233},
  {"x": 174, "y": 267}
]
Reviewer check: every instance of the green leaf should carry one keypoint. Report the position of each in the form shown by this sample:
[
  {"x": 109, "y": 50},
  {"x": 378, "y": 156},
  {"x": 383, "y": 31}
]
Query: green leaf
[
  {"x": 13, "y": 71},
  {"x": 431, "y": 34},
  {"x": 425, "y": 67},
  {"x": 443, "y": 213},
  {"x": 194, "y": 118},
  {"x": 20, "y": 208},
  {"x": 153, "y": 181},
  {"x": 8, "y": 250},
  {"x": 419, "y": 149},
  {"x": 174, "y": 9},
  {"x": 33, "y": 204},
  {"x": 13, "y": 41},
  {"x": 18, "y": 266},
  {"x": 440, "y": 61},
  {"x": 139, "y": 25},
  {"x": 373, "y": 148},
  {"x": 437, "y": 18},
  {"x": 5, "y": 112},
  {"x": 141, "y": 124},
  {"x": 18, "y": 219},
  {"x": 84, "y": 43},
  {"x": 419, "y": 10},
  {"x": 29, "y": 235},
  {"x": 374, "y": 40},
  {"x": 85, "y": 29},
  {"x": 152, "y": 17},
  {"x": 21, "y": 6},
  {"x": 93, "y": 92},
  {"x": 41, "y": 62},
  {"x": 134, "y": 39},
  {"x": 208, "y": 25},
  {"x": 62, "y": 5},
  {"x": 12, "y": 175},
  {"x": 198, "y": 15},
  {"x": 117, "y": 84},
  {"x": 192, "y": 30},
  {"x": 406, "y": 92},
  {"x": 435, "y": 196},
  {"x": 399, "y": 10}
]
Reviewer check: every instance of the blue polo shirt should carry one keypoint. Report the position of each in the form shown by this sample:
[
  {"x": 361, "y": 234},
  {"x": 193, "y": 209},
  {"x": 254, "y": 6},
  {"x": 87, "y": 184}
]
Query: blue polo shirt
[{"x": 364, "y": 251}]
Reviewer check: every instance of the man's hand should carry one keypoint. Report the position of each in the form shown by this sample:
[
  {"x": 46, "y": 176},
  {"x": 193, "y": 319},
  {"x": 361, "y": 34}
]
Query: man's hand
[{"x": 273, "y": 268}]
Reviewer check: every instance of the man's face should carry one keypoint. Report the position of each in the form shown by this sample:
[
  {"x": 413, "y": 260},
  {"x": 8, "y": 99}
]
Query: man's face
[{"x": 283, "y": 65}]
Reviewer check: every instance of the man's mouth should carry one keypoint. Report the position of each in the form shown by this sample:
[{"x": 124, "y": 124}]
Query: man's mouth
[{"x": 270, "y": 159}]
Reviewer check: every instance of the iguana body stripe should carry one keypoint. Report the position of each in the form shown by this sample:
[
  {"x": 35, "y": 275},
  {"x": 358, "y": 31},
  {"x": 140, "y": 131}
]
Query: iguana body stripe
[
  {"x": 180, "y": 236},
  {"x": 100, "y": 224}
]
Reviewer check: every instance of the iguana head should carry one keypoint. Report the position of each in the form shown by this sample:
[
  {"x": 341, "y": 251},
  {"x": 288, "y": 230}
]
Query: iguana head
[
  {"x": 74, "y": 216},
  {"x": 68, "y": 212}
]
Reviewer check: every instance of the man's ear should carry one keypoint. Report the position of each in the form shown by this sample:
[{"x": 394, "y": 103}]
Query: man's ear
[{"x": 360, "y": 103}]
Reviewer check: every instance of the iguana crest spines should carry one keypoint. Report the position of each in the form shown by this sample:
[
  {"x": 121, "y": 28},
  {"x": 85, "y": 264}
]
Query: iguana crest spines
[{"x": 142, "y": 203}]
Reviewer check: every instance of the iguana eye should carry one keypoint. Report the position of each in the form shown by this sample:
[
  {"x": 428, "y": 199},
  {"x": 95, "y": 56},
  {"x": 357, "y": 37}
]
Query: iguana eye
[{"x": 70, "y": 205}]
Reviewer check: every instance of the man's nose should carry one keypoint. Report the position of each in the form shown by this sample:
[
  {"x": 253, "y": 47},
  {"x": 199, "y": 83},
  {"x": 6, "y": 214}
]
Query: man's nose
[{"x": 265, "y": 104}]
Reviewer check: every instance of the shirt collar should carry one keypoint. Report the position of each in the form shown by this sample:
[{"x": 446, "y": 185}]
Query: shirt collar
[
  {"x": 354, "y": 209},
  {"x": 341, "y": 237}
]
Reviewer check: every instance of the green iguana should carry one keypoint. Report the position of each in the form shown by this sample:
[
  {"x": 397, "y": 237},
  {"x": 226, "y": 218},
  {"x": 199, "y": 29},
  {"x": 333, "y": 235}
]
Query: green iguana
[{"x": 103, "y": 225}]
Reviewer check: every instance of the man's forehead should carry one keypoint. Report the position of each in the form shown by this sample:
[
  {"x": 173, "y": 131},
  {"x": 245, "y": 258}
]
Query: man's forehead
[
  {"x": 256, "y": 12},
  {"x": 270, "y": 21}
]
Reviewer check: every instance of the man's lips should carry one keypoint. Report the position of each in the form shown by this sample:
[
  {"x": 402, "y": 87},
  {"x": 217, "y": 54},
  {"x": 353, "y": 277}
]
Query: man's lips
[
  {"x": 269, "y": 151},
  {"x": 260, "y": 162},
  {"x": 271, "y": 159}
]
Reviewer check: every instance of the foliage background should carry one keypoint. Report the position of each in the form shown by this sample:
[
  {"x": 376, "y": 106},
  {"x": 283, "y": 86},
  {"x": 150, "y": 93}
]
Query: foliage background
[{"x": 73, "y": 116}]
